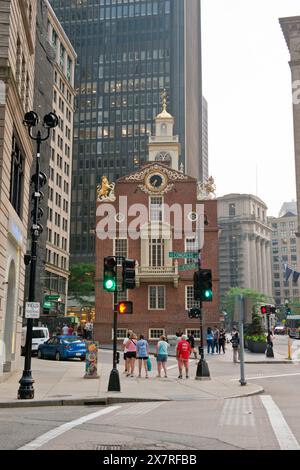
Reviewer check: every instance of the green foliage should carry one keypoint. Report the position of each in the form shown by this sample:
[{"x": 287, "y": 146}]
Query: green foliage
[
  {"x": 230, "y": 295},
  {"x": 257, "y": 338},
  {"x": 82, "y": 283}
]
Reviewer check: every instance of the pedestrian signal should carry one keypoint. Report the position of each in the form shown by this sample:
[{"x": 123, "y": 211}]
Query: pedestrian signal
[{"x": 125, "y": 308}]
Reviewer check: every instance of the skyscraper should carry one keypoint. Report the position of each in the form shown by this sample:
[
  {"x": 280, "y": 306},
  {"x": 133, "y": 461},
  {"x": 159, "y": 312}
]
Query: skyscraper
[{"x": 128, "y": 52}]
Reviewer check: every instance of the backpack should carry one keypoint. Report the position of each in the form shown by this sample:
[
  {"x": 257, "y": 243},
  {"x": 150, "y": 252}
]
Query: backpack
[{"x": 235, "y": 342}]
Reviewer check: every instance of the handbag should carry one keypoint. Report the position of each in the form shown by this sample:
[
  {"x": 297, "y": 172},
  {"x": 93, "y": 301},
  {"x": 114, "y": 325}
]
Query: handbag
[{"x": 149, "y": 365}]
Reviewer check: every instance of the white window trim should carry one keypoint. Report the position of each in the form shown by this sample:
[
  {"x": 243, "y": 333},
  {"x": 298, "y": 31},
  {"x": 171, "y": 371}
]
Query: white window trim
[
  {"x": 119, "y": 337},
  {"x": 159, "y": 285},
  {"x": 162, "y": 208},
  {"x": 151, "y": 338},
  {"x": 186, "y": 297},
  {"x": 197, "y": 330}
]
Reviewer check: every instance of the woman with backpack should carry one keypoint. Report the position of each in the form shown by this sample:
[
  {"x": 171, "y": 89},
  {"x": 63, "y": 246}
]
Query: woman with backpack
[
  {"x": 131, "y": 354},
  {"x": 142, "y": 351}
]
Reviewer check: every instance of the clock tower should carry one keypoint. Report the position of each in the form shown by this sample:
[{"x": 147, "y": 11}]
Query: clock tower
[{"x": 164, "y": 147}]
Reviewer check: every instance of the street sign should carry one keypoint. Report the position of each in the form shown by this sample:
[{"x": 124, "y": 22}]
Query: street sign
[
  {"x": 32, "y": 310},
  {"x": 53, "y": 297},
  {"x": 184, "y": 254},
  {"x": 187, "y": 267}
]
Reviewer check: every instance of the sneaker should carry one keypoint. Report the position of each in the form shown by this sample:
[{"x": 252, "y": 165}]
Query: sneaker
[
  {"x": 180, "y": 376},
  {"x": 131, "y": 375},
  {"x": 147, "y": 377},
  {"x": 187, "y": 377},
  {"x": 127, "y": 375},
  {"x": 166, "y": 376}
]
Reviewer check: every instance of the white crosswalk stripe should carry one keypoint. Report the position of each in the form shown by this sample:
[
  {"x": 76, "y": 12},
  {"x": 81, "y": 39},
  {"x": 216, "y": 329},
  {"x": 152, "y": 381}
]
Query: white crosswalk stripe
[
  {"x": 139, "y": 409},
  {"x": 237, "y": 412}
]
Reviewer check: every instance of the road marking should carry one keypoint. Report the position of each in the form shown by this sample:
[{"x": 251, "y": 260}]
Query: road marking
[
  {"x": 139, "y": 409},
  {"x": 267, "y": 376},
  {"x": 237, "y": 412},
  {"x": 48, "y": 436},
  {"x": 283, "y": 433}
]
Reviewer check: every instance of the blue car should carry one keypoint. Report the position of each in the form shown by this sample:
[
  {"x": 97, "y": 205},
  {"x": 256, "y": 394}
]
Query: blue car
[{"x": 62, "y": 347}]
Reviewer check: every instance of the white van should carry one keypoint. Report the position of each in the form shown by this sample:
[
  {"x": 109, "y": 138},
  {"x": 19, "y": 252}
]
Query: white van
[{"x": 40, "y": 334}]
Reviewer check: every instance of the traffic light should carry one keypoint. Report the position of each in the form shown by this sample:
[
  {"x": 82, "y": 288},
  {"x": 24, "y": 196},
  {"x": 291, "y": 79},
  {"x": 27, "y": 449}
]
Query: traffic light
[
  {"x": 203, "y": 285},
  {"x": 125, "y": 308},
  {"x": 264, "y": 309},
  {"x": 194, "y": 313},
  {"x": 129, "y": 274},
  {"x": 110, "y": 274}
]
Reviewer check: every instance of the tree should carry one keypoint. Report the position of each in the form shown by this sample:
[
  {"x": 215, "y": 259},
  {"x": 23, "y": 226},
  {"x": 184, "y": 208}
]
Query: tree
[
  {"x": 82, "y": 283},
  {"x": 230, "y": 295}
]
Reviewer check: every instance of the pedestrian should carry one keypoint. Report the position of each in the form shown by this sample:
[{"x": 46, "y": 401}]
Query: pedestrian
[
  {"x": 235, "y": 341},
  {"x": 216, "y": 339},
  {"x": 79, "y": 331},
  {"x": 142, "y": 353},
  {"x": 191, "y": 340},
  {"x": 126, "y": 361},
  {"x": 65, "y": 330},
  {"x": 162, "y": 355},
  {"x": 222, "y": 340},
  {"x": 179, "y": 333},
  {"x": 182, "y": 354},
  {"x": 131, "y": 354},
  {"x": 89, "y": 330},
  {"x": 210, "y": 340},
  {"x": 70, "y": 330}
]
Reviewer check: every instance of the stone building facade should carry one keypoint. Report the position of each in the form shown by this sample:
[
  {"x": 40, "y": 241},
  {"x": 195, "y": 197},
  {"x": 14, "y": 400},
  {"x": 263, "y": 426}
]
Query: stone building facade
[
  {"x": 291, "y": 30},
  {"x": 17, "y": 46},
  {"x": 245, "y": 244},
  {"x": 164, "y": 291},
  {"x": 284, "y": 251}
]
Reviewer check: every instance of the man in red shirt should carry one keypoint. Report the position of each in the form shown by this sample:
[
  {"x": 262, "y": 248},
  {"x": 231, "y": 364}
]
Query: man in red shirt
[{"x": 183, "y": 352}]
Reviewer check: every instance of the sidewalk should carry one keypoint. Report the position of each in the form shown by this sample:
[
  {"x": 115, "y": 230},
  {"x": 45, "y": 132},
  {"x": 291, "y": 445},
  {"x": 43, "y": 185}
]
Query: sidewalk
[
  {"x": 62, "y": 383},
  {"x": 249, "y": 357}
]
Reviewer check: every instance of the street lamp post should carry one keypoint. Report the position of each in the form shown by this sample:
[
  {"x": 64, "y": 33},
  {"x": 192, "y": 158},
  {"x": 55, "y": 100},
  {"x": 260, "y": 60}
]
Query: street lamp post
[{"x": 39, "y": 179}]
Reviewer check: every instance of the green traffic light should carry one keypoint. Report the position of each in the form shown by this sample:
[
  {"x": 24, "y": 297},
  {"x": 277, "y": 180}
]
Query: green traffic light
[
  {"x": 110, "y": 285},
  {"x": 208, "y": 294}
]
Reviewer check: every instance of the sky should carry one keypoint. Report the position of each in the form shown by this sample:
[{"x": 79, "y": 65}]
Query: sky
[{"x": 247, "y": 82}]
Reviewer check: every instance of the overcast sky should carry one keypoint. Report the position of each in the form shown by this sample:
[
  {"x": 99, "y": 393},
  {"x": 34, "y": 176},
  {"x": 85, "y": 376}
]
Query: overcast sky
[{"x": 247, "y": 83}]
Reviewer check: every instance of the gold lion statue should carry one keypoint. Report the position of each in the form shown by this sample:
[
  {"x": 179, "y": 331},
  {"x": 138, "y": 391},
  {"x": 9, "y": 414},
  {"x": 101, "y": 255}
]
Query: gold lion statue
[{"x": 105, "y": 191}]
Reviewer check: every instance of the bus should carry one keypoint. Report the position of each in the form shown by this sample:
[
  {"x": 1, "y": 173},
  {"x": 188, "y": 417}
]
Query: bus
[{"x": 293, "y": 326}]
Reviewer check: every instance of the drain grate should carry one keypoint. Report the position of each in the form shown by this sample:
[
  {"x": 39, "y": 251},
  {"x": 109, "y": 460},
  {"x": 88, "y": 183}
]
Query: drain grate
[{"x": 110, "y": 447}]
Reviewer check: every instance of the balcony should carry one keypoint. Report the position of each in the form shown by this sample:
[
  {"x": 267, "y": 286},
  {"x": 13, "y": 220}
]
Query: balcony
[{"x": 157, "y": 274}]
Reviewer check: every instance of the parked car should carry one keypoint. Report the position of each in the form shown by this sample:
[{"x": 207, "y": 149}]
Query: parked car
[
  {"x": 279, "y": 330},
  {"x": 40, "y": 335},
  {"x": 62, "y": 347}
]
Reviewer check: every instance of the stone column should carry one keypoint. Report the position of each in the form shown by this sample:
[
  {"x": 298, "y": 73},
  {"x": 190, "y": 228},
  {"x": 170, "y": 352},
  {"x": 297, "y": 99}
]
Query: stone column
[
  {"x": 253, "y": 265},
  {"x": 264, "y": 270},
  {"x": 258, "y": 265},
  {"x": 269, "y": 267}
]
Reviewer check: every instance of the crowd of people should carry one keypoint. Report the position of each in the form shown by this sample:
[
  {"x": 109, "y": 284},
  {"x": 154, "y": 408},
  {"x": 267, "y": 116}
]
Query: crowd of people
[
  {"x": 85, "y": 332},
  {"x": 136, "y": 351}
]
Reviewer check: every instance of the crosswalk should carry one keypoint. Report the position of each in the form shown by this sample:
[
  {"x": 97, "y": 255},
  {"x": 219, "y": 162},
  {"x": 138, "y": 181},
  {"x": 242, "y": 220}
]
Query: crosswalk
[
  {"x": 139, "y": 409},
  {"x": 237, "y": 412}
]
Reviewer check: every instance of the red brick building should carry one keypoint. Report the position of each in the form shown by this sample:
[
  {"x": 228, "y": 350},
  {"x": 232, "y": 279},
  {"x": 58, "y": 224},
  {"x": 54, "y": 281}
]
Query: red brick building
[{"x": 146, "y": 216}]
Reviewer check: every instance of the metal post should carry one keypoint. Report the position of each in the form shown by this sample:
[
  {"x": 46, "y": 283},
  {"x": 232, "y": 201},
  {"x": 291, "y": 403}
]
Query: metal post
[
  {"x": 202, "y": 368},
  {"x": 241, "y": 329},
  {"x": 26, "y": 390},
  {"x": 114, "y": 378}
]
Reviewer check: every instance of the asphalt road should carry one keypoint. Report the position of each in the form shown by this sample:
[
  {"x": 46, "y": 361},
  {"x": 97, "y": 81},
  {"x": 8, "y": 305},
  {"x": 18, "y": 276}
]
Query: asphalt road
[{"x": 269, "y": 421}]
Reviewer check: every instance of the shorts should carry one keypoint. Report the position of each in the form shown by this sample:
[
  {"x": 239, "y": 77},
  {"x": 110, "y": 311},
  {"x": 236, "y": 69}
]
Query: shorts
[
  {"x": 131, "y": 354},
  {"x": 143, "y": 358},
  {"x": 125, "y": 356},
  {"x": 162, "y": 358}
]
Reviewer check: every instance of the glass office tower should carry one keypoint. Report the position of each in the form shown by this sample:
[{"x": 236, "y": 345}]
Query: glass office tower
[{"x": 128, "y": 52}]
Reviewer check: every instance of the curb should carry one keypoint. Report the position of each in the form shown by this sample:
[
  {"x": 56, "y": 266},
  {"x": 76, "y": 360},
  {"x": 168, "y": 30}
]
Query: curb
[
  {"x": 273, "y": 362},
  {"x": 105, "y": 401}
]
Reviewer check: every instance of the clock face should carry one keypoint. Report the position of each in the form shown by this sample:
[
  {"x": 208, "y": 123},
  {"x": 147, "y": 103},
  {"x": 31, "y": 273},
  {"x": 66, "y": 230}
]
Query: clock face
[{"x": 156, "y": 181}]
